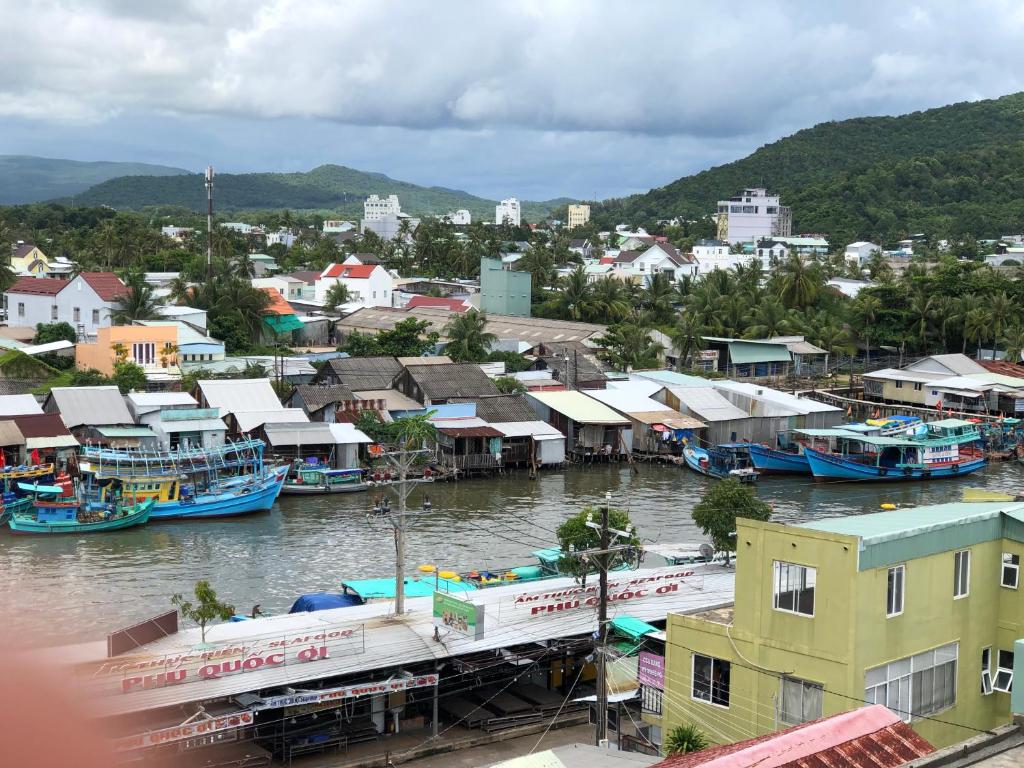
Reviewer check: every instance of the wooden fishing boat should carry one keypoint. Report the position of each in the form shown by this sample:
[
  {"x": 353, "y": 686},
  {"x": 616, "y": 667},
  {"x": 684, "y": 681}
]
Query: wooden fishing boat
[
  {"x": 318, "y": 479},
  {"x": 51, "y": 512},
  {"x": 951, "y": 448},
  {"x": 719, "y": 464}
]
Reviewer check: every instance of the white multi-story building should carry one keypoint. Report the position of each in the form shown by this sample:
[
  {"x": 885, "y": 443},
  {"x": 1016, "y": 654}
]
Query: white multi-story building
[
  {"x": 579, "y": 214},
  {"x": 858, "y": 253},
  {"x": 283, "y": 236},
  {"x": 376, "y": 208},
  {"x": 753, "y": 215},
  {"x": 710, "y": 255},
  {"x": 507, "y": 212},
  {"x": 460, "y": 217},
  {"x": 85, "y": 301}
]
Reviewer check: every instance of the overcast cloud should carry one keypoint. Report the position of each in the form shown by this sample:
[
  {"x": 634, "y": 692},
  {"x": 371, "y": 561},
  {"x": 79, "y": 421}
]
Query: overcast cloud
[{"x": 538, "y": 99}]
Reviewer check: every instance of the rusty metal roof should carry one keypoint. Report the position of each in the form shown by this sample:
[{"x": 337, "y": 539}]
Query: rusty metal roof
[{"x": 869, "y": 737}]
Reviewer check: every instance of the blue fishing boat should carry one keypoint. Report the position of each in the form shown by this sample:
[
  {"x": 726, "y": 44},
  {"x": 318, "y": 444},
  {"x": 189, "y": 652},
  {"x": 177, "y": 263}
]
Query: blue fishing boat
[
  {"x": 224, "y": 481},
  {"x": 789, "y": 461},
  {"x": 716, "y": 463},
  {"x": 49, "y": 511},
  {"x": 950, "y": 448},
  {"x": 17, "y": 500}
]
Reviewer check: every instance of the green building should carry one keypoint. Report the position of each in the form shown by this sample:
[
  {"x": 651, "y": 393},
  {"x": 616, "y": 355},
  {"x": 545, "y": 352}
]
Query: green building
[
  {"x": 918, "y": 609},
  {"x": 503, "y": 291}
]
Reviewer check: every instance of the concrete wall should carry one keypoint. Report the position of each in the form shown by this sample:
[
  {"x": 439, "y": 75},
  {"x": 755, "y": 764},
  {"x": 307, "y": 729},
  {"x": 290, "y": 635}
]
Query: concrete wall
[{"x": 503, "y": 291}]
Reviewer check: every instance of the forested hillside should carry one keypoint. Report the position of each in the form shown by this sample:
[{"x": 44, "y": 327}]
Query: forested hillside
[{"x": 26, "y": 179}]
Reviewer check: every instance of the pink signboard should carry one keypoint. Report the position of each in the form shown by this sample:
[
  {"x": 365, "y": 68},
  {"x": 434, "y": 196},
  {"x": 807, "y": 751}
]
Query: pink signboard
[{"x": 651, "y": 670}]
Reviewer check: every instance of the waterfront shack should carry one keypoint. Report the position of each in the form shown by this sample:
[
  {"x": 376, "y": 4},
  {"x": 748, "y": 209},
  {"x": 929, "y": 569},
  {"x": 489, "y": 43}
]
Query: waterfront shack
[
  {"x": 42, "y": 432},
  {"x": 177, "y": 420},
  {"x": 525, "y": 439},
  {"x": 655, "y": 427},
  {"x": 98, "y": 416},
  {"x": 760, "y": 401},
  {"x": 360, "y": 372},
  {"x": 246, "y": 404},
  {"x": 320, "y": 402},
  {"x": 572, "y": 363},
  {"x": 725, "y": 422},
  {"x": 333, "y": 445},
  {"x": 591, "y": 428},
  {"x": 433, "y": 384}
]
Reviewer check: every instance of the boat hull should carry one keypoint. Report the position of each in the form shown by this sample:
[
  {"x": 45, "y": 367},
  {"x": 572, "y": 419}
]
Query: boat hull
[
  {"x": 692, "y": 456},
  {"x": 20, "y": 524},
  {"x": 305, "y": 489},
  {"x": 226, "y": 503},
  {"x": 767, "y": 459},
  {"x": 831, "y": 467}
]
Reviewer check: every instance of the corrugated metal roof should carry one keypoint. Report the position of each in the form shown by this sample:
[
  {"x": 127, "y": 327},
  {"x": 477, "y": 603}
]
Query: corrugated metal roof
[
  {"x": 388, "y": 640},
  {"x": 91, "y": 406},
  {"x": 746, "y": 352},
  {"x": 708, "y": 403},
  {"x": 316, "y": 433},
  {"x": 883, "y": 526},
  {"x": 802, "y": 405},
  {"x": 193, "y": 425},
  {"x": 869, "y": 737},
  {"x": 671, "y": 419},
  {"x": 249, "y": 420},
  {"x": 125, "y": 431},
  {"x": 238, "y": 395},
  {"x": 526, "y": 429},
  {"x": 10, "y": 434},
  {"x": 672, "y": 378},
  {"x": 503, "y": 408},
  {"x": 579, "y": 407},
  {"x": 347, "y": 434},
  {"x": 482, "y": 431},
  {"x": 19, "y": 405},
  {"x": 393, "y": 399},
  {"x": 897, "y": 374}
]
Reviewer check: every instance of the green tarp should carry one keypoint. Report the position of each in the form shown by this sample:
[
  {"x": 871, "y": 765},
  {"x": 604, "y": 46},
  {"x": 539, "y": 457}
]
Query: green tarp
[
  {"x": 632, "y": 628},
  {"x": 282, "y": 323}
]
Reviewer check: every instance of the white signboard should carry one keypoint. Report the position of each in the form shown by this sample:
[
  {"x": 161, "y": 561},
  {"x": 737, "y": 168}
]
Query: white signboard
[{"x": 347, "y": 692}]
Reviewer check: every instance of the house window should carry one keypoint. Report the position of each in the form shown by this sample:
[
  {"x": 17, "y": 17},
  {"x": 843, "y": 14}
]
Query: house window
[
  {"x": 95, "y": 317},
  {"x": 1011, "y": 570},
  {"x": 144, "y": 352},
  {"x": 76, "y": 314},
  {"x": 53, "y": 312},
  {"x": 801, "y": 701},
  {"x": 961, "y": 573},
  {"x": 894, "y": 591},
  {"x": 21, "y": 309},
  {"x": 899, "y": 385},
  {"x": 918, "y": 386},
  {"x": 711, "y": 680},
  {"x": 986, "y": 671},
  {"x": 916, "y": 686},
  {"x": 1004, "y": 672},
  {"x": 793, "y": 588}
]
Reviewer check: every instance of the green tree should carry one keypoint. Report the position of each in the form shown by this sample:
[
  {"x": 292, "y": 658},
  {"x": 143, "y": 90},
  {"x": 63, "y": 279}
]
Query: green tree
[
  {"x": 337, "y": 295},
  {"x": 629, "y": 346},
  {"x": 468, "y": 338},
  {"x": 412, "y": 432},
  {"x": 90, "y": 377},
  {"x": 657, "y": 297},
  {"x": 206, "y": 608},
  {"x": 47, "y": 333},
  {"x": 720, "y": 506},
  {"x": 129, "y": 377},
  {"x": 866, "y": 309},
  {"x": 687, "y": 335},
  {"x": 684, "y": 739},
  {"x": 409, "y": 338},
  {"x": 514, "y": 362},
  {"x": 798, "y": 283},
  {"x": 574, "y": 535},
  {"x": 510, "y": 385},
  {"x": 1013, "y": 342},
  {"x": 770, "y": 319},
  {"x": 139, "y": 302}
]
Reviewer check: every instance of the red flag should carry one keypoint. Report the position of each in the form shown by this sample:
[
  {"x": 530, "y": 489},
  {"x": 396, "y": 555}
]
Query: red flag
[
  {"x": 35, "y": 456},
  {"x": 3, "y": 460}
]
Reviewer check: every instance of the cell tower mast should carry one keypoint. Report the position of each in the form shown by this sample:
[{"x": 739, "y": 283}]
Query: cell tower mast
[{"x": 209, "y": 218}]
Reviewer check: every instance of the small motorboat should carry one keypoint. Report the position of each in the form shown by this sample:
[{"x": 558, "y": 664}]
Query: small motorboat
[
  {"x": 719, "y": 464},
  {"x": 51, "y": 512},
  {"x": 306, "y": 479}
]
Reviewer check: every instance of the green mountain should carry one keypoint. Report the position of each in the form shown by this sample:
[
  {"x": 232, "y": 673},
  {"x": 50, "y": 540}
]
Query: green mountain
[
  {"x": 328, "y": 187},
  {"x": 950, "y": 170},
  {"x": 26, "y": 179}
]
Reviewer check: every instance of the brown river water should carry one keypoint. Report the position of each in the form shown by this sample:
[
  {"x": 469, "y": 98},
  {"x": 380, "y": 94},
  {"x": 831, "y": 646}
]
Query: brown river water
[{"x": 63, "y": 589}]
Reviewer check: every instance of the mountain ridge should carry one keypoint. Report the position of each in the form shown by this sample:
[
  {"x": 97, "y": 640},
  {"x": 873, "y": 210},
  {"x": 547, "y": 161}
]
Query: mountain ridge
[{"x": 32, "y": 179}]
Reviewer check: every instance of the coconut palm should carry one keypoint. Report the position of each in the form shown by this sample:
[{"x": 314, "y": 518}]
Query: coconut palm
[
  {"x": 337, "y": 295},
  {"x": 629, "y": 346},
  {"x": 687, "y": 335},
  {"x": 468, "y": 338},
  {"x": 922, "y": 310},
  {"x": 770, "y": 319},
  {"x": 1000, "y": 308},
  {"x": 976, "y": 325},
  {"x": 139, "y": 302},
  {"x": 797, "y": 283},
  {"x": 574, "y": 299},
  {"x": 609, "y": 300},
  {"x": 866, "y": 309},
  {"x": 1013, "y": 342},
  {"x": 657, "y": 296}
]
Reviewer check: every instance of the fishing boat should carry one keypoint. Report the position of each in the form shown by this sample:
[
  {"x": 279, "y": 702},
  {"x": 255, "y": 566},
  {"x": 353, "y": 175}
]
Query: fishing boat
[
  {"x": 950, "y": 448},
  {"x": 16, "y": 500},
  {"x": 311, "y": 479},
  {"x": 784, "y": 460},
  {"x": 715, "y": 463},
  {"x": 50, "y": 511},
  {"x": 224, "y": 481}
]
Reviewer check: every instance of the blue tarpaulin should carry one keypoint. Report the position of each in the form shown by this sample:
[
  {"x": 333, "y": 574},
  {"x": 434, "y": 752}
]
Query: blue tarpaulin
[{"x": 321, "y": 601}]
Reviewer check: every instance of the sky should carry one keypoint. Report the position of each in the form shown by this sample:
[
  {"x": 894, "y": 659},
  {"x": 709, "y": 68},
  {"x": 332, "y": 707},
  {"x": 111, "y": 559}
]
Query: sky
[{"x": 535, "y": 99}]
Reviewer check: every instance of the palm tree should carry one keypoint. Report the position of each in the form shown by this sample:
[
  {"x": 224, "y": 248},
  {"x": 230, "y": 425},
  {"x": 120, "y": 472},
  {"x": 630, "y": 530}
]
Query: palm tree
[
  {"x": 609, "y": 300},
  {"x": 181, "y": 290},
  {"x": 657, "y": 296},
  {"x": 770, "y": 319},
  {"x": 1013, "y": 341},
  {"x": 687, "y": 335},
  {"x": 866, "y": 308},
  {"x": 139, "y": 302},
  {"x": 337, "y": 295},
  {"x": 922, "y": 310},
  {"x": 629, "y": 346},
  {"x": 412, "y": 432},
  {"x": 575, "y": 295},
  {"x": 976, "y": 325},
  {"x": 468, "y": 338},
  {"x": 798, "y": 283},
  {"x": 684, "y": 739},
  {"x": 1000, "y": 307}
]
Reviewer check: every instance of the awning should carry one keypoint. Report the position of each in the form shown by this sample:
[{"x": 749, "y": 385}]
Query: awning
[
  {"x": 51, "y": 441},
  {"x": 470, "y": 431},
  {"x": 282, "y": 323},
  {"x": 659, "y": 428},
  {"x": 193, "y": 425},
  {"x": 632, "y": 628},
  {"x": 125, "y": 431},
  {"x": 299, "y": 434},
  {"x": 347, "y": 434},
  {"x": 538, "y": 430}
]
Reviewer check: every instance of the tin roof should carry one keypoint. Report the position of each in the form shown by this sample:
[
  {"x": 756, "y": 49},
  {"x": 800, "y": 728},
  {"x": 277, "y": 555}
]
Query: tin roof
[
  {"x": 708, "y": 404},
  {"x": 579, "y": 407},
  {"x": 869, "y": 737},
  {"x": 802, "y": 405},
  {"x": 538, "y": 429},
  {"x": 19, "y": 405},
  {"x": 316, "y": 433},
  {"x": 237, "y": 395},
  {"x": 90, "y": 406},
  {"x": 393, "y": 399},
  {"x": 10, "y": 434},
  {"x": 249, "y": 420}
]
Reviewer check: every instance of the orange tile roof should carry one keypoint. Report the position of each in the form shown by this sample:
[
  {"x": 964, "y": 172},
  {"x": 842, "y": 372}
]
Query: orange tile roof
[
  {"x": 357, "y": 271},
  {"x": 277, "y": 305},
  {"x": 38, "y": 286}
]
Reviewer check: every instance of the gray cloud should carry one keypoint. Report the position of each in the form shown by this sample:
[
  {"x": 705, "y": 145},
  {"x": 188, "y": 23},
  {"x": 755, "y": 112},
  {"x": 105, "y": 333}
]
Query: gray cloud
[{"x": 599, "y": 92}]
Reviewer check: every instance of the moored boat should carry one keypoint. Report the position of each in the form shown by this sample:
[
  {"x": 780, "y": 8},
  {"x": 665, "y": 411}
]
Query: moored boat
[
  {"x": 51, "y": 512},
  {"x": 318, "y": 479},
  {"x": 174, "y": 500},
  {"x": 718, "y": 464},
  {"x": 779, "y": 461},
  {"x": 950, "y": 448}
]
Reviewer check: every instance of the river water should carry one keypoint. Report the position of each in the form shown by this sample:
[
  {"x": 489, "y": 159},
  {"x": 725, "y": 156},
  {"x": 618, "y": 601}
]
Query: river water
[{"x": 64, "y": 589}]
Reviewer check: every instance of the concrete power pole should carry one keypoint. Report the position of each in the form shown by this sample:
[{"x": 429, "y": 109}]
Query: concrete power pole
[{"x": 209, "y": 220}]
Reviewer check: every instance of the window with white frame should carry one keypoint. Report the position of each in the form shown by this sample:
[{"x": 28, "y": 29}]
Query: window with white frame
[
  {"x": 144, "y": 352},
  {"x": 916, "y": 686},
  {"x": 711, "y": 680},
  {"x": 894, "y": 591},
  {"x": 1004, "y": 672},
  {"x": 986, "y": 671},
  {"x": 799, "y": 700},
  {"x": 961, "y": 573},
  {"x": 793, "y": 588},
  {"x": 1010, "y": 574}
]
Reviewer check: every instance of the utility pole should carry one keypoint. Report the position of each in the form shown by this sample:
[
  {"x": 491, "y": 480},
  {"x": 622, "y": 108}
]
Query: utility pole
[
  {"x": 603, "y": 557},
  {"x": 401, "y": 462},
  {"x": 209, "y": 221}
]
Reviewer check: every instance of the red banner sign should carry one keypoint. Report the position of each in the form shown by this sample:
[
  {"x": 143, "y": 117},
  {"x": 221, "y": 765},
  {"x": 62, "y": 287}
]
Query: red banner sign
[
  {"x": 186, "y": 731},
  {"x": 574, "y": 597}
]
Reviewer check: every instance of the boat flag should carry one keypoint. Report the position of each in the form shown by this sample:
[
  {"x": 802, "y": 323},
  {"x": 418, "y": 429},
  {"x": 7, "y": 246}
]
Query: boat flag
[
  {"x": 3, "y": 459},
  {"x": 35, "y": 457}
]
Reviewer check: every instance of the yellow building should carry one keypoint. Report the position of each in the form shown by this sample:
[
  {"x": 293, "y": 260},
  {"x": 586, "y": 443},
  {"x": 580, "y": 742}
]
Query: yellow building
[
  {"x": 579, "y": 214},
  {"x": 917, "y": 609},
  {"x": 154, "y": 347},
  {"x": 28, "y": 259}
]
